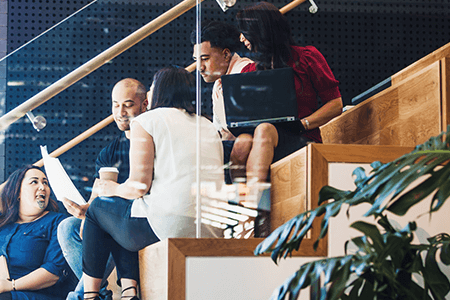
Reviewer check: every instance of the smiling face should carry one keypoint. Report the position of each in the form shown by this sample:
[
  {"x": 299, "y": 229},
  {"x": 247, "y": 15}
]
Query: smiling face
[
  {"x": 126, "y": 104},
  {"x": 34, "y": 194},
  {"x": 214, "y": 61}
]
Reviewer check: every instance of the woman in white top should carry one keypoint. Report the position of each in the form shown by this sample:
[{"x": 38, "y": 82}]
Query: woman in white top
[{"x": 155, "y": 202}]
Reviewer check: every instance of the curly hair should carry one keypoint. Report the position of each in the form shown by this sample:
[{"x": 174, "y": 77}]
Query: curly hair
[{"x": 219, "y": 34}]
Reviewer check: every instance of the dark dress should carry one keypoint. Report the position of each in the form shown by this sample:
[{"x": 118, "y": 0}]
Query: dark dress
[{"x": 34, "y": 245}]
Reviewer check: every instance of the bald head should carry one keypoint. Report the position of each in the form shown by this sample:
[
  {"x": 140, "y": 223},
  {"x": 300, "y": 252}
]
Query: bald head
[
  {"x": 129, "y": 99},
  {"x": 134, "y": 85}
]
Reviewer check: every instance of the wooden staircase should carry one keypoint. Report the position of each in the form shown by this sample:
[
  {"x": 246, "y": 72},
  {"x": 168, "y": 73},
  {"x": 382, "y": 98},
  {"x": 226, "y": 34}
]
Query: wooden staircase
[{"x": 384, "y": 127}]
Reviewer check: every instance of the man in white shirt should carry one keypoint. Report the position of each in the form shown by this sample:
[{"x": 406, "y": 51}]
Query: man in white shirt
[{"x": 217, "y": 55}]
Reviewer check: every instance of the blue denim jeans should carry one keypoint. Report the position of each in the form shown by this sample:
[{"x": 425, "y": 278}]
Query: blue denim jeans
[
  {"x": 71, "y": 245},
  {"x": 110, "y": 229}
]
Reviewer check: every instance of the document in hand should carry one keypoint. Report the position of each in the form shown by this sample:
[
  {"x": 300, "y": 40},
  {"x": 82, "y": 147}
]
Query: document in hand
[
  {"x": 4, "y": 273},
  {"x": 60, "y": 182}
]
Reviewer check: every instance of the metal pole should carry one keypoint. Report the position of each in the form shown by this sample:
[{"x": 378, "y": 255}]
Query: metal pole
[{"x": 198, "y": 108}]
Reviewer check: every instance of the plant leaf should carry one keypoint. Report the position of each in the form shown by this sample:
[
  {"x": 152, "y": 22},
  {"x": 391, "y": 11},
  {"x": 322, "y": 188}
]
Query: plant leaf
[
  {"x": 434, "y": 278},
  {"x": 370, "y": 231}
]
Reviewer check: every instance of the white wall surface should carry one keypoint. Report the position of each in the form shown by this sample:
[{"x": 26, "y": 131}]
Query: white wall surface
[{"x": 237, "y": 278}]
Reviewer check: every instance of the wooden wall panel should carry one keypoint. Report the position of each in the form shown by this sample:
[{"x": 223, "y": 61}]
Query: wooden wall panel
[
  {"x": 153, "y": 269},
  {"x": 395, "y": 116},
  {"x": 445, "y": 82},
  {"x": 176, "y": 273},
  {"x": 419, "y": 116},
  {"x": 288, "y": 188}
]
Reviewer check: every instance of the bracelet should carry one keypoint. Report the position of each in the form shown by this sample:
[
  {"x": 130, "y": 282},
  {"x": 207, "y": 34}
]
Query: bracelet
[
  {"x": 13, "y": 284},
  {"x": 307, "y": 124}
]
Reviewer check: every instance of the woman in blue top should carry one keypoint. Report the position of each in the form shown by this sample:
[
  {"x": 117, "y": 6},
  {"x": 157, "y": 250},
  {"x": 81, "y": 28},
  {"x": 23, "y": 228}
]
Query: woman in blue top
[{"x": 28, "y": 226}]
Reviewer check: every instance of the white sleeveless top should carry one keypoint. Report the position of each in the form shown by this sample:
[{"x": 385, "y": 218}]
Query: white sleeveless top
[{"x": 170, "y": 207}]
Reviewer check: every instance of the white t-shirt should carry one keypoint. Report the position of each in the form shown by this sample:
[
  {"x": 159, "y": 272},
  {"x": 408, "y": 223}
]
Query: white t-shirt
[
  {"x": 236, "y": 65},
  {"x": 170, "y": 207}
]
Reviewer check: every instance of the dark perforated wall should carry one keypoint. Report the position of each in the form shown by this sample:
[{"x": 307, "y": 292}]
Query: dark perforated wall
[{"x": 364, "y": 41}]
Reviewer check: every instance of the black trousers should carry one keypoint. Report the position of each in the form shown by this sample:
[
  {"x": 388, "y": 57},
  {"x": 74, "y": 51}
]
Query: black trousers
[
  {"x": 6, "y": 296},
  {"x": 109, "y": 228}
]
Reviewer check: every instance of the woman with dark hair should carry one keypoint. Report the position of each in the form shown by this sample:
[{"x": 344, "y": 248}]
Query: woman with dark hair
[
  {"x": 155, "y": 202},
  {"x": 173, "y": 87},
  {"x": 266, "y": 33},
  {"x": 28, "y": 226}
]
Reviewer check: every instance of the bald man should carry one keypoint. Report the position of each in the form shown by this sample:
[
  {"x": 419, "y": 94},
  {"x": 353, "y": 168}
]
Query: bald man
[{"x": 129, "y": 99}]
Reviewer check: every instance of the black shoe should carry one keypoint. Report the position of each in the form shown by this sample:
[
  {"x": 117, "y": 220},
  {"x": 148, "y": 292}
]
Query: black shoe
[{"x": 96, "y": 297}]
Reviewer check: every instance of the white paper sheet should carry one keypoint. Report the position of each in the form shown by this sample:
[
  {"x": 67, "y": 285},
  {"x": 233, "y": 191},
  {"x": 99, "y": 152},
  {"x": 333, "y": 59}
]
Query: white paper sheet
[{"x": 60, "y": 182}]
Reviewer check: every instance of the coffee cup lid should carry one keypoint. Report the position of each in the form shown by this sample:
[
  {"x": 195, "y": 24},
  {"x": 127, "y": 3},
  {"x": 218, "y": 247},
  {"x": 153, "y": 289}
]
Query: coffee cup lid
[{"x": 108, "y": 169}]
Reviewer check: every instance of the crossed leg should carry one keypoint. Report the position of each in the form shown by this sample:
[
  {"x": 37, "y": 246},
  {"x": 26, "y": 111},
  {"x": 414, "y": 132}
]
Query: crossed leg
[{"x": 255, "y": 153}]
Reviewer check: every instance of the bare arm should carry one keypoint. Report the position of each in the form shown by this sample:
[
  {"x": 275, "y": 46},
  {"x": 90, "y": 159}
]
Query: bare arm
[
  {"x": 142, "y": 155},
  {"x": 323, "y": 115},
  {"x": 36, "y": 280}
]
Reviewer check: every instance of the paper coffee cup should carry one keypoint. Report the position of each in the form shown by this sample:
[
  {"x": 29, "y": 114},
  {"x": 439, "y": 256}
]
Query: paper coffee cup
[{"x": 108, "y": 173}]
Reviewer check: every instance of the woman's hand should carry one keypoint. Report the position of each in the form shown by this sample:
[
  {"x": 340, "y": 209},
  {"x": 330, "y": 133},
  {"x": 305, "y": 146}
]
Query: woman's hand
[
  {"x": 78, "y": 211},
  {"x": 106, "y": 188},
  {"x": 5, "y": 286}
]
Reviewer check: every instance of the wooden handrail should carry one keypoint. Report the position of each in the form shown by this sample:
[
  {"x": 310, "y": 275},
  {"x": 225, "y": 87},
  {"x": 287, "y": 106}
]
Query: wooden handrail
[
  {"x": 108, "y": 120},
  {"x": 75, "y": 141},
  {"x": 95, "y": 63},
  {"x": 105, "y": 122},
  {"x": 291, "y": 5}
]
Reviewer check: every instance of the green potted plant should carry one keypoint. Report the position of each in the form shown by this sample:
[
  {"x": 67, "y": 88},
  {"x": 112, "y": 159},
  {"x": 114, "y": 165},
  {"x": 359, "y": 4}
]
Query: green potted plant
[{"x": 386, "y": 258}]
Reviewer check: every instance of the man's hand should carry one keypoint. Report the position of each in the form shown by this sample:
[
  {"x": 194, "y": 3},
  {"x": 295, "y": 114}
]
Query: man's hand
[{"x": 78, "y": 211}]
